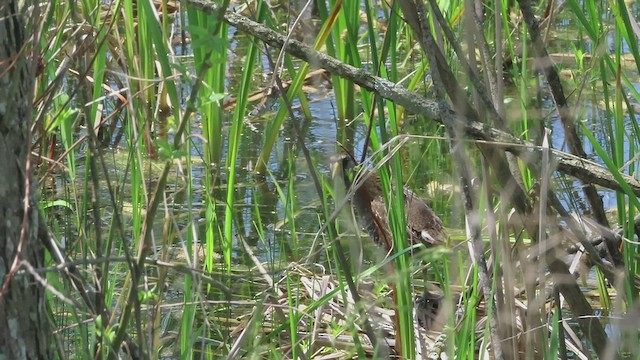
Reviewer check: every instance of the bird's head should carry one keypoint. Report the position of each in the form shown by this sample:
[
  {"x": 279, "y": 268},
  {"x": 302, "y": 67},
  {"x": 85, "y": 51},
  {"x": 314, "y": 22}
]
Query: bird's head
[{"x": 366, "y": 183}]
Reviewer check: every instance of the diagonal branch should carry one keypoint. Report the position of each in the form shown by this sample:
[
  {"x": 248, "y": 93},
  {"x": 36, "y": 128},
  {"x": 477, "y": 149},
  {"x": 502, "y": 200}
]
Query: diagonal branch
[{"x": 583, "y": 169}]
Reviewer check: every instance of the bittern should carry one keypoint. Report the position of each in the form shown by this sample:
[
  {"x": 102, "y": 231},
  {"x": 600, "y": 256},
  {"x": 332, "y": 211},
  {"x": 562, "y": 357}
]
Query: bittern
[{"x": 423, "y": 225}]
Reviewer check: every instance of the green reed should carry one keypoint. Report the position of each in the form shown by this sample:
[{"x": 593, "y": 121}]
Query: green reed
[
  {"x": 126, "y": 84},
  {"x": 272, "y": 131}
]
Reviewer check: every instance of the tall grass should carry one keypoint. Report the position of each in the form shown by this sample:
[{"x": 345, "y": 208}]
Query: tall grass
[{"x": 142, "y": 181}]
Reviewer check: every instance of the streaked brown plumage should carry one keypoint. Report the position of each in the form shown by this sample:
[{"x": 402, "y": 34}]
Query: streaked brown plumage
[{"x": 423, "y": 225}]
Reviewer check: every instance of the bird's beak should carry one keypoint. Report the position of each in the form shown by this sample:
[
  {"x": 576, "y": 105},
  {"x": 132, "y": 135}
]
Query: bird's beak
[
  {"x": 336, "y": 166},
  {"x": 340, "y": 179}
]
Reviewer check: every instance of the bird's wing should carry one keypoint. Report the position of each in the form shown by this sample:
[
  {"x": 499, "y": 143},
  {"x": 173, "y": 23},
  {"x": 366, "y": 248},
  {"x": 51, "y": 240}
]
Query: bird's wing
[{"x": 424, "y": 225}]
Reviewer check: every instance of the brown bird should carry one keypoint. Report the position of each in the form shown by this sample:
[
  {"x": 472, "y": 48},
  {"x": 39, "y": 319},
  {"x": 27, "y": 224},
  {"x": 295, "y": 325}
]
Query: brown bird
[{"x": 423, "y": 225}]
